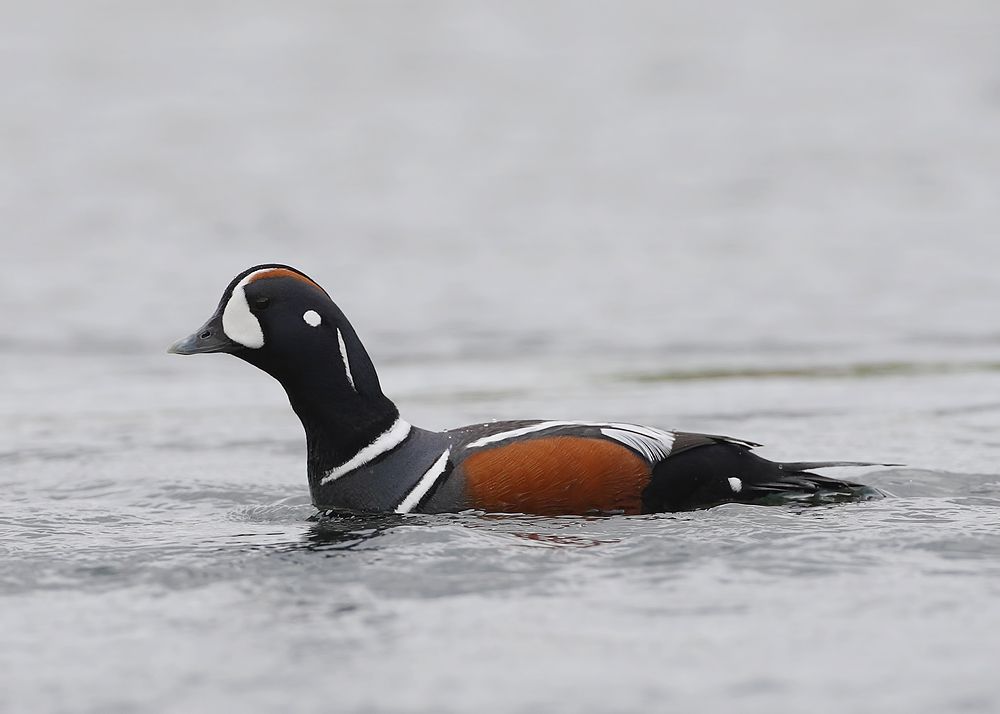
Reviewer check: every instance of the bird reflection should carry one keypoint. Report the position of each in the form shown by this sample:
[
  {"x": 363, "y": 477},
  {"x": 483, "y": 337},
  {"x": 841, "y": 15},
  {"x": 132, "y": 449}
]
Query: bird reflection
[
  {"x": 344, "y": 530},
  {"x": 337, "y": 531}
]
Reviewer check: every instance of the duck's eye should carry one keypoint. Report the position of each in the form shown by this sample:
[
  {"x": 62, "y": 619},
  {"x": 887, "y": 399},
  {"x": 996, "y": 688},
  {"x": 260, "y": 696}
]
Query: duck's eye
[{"x": 260, "y": 303}]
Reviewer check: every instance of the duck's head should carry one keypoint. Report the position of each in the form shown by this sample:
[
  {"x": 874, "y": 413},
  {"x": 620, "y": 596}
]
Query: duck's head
[{"x": 280, "y": 320}]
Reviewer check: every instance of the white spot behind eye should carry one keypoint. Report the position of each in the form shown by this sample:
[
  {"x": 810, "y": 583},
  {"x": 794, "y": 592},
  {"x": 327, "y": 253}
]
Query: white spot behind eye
[
  {"x": 735, "y": 484},
  {"x": 312, "y": 318}
]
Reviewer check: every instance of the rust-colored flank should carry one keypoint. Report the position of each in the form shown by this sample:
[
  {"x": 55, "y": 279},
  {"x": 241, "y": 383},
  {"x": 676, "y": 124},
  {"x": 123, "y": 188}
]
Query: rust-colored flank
[
  {"x": 285, "y": 273},
  {"x": 556, "y": 475}
]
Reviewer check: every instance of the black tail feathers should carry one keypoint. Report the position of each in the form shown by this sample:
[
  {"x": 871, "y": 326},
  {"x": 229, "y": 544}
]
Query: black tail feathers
[{"x": 722, "y": 473}]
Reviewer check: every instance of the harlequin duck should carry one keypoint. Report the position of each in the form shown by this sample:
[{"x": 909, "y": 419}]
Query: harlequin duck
[{"x": 362, "y": 456}]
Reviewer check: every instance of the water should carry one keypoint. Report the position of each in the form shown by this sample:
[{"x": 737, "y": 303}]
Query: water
[{"x": 776, "y": 222}]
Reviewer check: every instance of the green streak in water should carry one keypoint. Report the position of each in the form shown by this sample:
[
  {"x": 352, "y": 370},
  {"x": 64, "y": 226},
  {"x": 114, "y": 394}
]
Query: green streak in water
[{"x": 864, "y": 370}]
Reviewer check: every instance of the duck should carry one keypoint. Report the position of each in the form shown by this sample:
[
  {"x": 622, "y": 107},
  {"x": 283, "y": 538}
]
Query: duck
[{"x": 363, "y": 457}]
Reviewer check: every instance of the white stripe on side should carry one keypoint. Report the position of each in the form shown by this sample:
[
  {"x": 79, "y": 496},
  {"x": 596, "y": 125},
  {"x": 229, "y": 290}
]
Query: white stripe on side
[
  {"x": 514, "y": 433},
  {"x": 424, "y": 484},
  {"x": 347, "y": 362},
  {"x": 654, "y": 444},
  {"x": 383, "y": 444}
]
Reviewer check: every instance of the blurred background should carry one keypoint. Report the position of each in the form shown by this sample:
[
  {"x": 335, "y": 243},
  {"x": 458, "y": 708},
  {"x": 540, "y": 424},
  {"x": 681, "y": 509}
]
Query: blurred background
[
  {"x": 775, "y": 219},
  {"x": 617, "y": 176}
]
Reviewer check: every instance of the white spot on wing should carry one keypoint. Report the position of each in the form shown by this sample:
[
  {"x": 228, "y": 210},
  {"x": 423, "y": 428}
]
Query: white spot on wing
[
  {"x": 735, "y": 484},
  {"x": 312, "y": 318},
  {"x": 239, "y": 324},
  {"x": 424, "y": 484},
  {"x": 383, "y": 444},
  {"x": 347, "y": 361}
]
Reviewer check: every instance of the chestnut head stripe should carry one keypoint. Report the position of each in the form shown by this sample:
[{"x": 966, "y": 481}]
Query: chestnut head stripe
[{"x": 281, "y": 273}]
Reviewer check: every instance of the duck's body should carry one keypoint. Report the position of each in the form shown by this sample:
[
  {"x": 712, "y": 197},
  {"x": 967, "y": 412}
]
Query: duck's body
[{"x": 362, "y": 456}]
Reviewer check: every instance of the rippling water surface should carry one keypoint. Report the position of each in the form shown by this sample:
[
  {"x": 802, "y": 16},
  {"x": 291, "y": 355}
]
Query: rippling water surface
[{"x": 775, "y": 222}]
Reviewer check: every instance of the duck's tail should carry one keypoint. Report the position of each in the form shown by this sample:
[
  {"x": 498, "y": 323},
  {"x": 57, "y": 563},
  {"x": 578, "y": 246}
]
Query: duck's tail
[{"x": 724, "y": 472}]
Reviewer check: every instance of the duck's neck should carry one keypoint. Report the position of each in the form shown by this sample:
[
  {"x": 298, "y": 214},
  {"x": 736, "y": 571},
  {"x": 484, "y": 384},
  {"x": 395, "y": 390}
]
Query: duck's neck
[
  {"x": 335, "y": 391},
  {"x": 339, "y": 424}
]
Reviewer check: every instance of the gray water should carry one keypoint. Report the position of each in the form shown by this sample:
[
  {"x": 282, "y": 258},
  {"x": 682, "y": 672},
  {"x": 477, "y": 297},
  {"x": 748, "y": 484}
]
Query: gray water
[{"x": 774, "y": 220}]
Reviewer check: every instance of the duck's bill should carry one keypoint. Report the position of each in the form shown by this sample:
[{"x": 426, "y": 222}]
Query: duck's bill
[{"x": 210, "y": 337}]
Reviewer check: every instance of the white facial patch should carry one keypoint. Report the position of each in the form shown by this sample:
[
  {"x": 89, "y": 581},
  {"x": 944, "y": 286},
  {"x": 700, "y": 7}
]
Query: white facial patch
[
  {"x": 312, "y": 318},
  {"x": 239, "y": 324},
  {"x": 735, "y": 484}
]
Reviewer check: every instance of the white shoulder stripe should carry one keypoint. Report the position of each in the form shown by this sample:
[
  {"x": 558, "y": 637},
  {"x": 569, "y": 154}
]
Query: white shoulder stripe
[
  {"x": 654, "y": 444},
  {"x": 383, "y": 444},
  {"x": 424, "y": 484}
]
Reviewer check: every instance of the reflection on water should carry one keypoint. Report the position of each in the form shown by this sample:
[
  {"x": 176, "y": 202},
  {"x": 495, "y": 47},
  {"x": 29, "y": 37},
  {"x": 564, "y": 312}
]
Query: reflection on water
[
  {"x": 332, "y": 531},
  {"x": 343, "y": 531}
]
